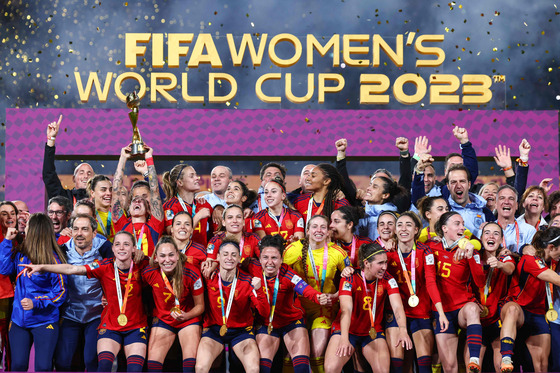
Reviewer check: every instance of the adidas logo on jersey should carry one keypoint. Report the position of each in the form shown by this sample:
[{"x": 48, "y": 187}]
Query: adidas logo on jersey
[
  {"x": 268, "y": 226},
  {"x": 50, "y": 327}
]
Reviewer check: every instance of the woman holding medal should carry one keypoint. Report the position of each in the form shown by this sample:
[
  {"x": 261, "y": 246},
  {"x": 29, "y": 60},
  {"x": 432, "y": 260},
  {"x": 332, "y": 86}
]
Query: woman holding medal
[
  {"x": 530, "y": 296},
  {"x": 344, "y": 221},
  {"x": 497, "y": 269},
  {"x": 100, "y": 190},
  {"x": 360, "y": 320},
  {"x": 278, "y": 217},
  {"x": 180, "y": 185},
  {"x": 230, "y": 295},
  {"x": 286, "y": 315},
  {"x": 418, "y": 289},
  {"x": 145, "y": 219},
  {"x": 318, "y": 261},
  {"x": 179, "y": 303},
  {"x": 456, "y": 270},
  {"x": 123, "y": 321},
  {"x": 181, "y": 231}
]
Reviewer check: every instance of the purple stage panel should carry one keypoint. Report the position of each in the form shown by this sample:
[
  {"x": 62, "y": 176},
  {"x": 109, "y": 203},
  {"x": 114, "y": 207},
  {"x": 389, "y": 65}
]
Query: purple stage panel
[{"x": 265, "y": 133}]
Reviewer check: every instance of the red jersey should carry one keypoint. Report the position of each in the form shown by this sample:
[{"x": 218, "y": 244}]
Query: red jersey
[
  {"x": 151, "y": 232},
  {"x": 244, "y": 299},
  {"x": 195, "y": 253},
  {"x": 104, "y": 271},
  {"x": 454, "y": 277},
  {"x": 526, "y": 289},
  {"x": 291, "y": 222},
  {"x": 347, "y": 246},
  {"x": 302, "y": 204},
  {"x": 200, "y": 232},
  {"x": 250, "y": 247},
  {"x": 6, "y": 287},
  {"x": 362, "y": 299},
  {"x": 426, "y": 285},
  {"x": 164, "y": 299},
  {"x": 288, "y": 307},
  {"x": 63, "y": 239}
]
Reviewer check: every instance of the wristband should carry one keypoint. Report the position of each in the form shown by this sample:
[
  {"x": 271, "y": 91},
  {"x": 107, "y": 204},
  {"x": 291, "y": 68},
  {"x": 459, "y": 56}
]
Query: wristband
[
  {"x": 51, "y": 138},
  {"x": 507, "y": 168},
  {"x": 404, "y": 152},
  {"x": 416, "y": 156},
  {"x": 145, "y": 174},
  {"x": 149, "y": 161},
  {"x": 522, "y": 162}
]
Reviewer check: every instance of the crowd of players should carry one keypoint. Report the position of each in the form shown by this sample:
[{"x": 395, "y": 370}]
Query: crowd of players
[{"x": 402, "y": 276}]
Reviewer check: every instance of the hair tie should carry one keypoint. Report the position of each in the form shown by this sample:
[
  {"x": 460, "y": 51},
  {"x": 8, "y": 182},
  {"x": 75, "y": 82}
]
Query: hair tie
[{"x": 375, "y": 253}]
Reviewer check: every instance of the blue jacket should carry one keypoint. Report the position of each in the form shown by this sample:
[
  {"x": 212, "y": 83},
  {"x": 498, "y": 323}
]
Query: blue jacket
[
  {"x": 46, "y": 290},
  {"x": 474, "y": 213},
  {"x": 368, "y": 225},
  {"x": 84, "y": 294}
]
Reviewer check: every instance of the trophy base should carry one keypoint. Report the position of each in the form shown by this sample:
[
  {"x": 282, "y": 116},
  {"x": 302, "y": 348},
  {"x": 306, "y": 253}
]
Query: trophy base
[{"x": 138, "y": 149}]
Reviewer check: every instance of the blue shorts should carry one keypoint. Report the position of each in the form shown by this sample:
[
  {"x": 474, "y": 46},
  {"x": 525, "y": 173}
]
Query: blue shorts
[
  {"x": 360, "y": 340},
  {"x": 124, "y": 338},
  {"x": 535, "y": 324},
  {"x": 452, "y": 317},
  {"x": 413, "y": 325},
  {"x": 280, "y": 332},
  {"x": 232, "y": 337},
  {"x": 490, "y": 333},
  {"x": 158, "y": 323}
]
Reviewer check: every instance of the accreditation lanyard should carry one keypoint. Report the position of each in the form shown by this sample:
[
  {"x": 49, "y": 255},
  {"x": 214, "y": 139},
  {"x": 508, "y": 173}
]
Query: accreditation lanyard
[
  {"x": 169, "y": 287},
  {"x": 516, "y": 237},
  {"x": 310, "y": 208},
  {"x": 140, "y": 237},
  {"x": 106, "y": 228},
  {"x": 373, "y": 305},
  {"x": 410, "y": 282},
  {"x": 225, "y": 314},
  {"x": 549, "y": 288},
  {"x": 280, "y": 220},
  {"x": 274, "y": 296},
  {"x": 380, "y": 242},
  {"x": 122, "y": 302},
  {"x": 324, "y": 269},
  {"x": 353, "y": 249},
  {"x": 186, "y": 248},
  {"x": 184, "y": 205},
  {"x": 487, "y": 287}
]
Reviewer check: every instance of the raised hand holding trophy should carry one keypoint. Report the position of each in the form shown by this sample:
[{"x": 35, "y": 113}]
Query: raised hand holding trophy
[{"x": 133, "y": 102}]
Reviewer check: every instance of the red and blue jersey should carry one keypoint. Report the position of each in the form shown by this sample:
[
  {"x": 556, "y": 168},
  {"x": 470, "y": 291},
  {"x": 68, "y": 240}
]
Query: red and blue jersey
[
  {"x": 204, "y": 226},
  {"x": 526, "y": 289},
  {"x": 292, "y": 222},
  {"x": 151, "y": 232}
]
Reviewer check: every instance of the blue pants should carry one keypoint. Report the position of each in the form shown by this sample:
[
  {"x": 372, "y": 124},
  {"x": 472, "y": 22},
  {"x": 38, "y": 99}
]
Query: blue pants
[
  {"x": 73, "y": 334},
  {"x": 554, "y": 365},
  {"x": 21, "y": 339}
]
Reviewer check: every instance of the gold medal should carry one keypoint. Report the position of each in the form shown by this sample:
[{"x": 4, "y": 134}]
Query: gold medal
[
  {"x": 413, "y": 301},
  {"x": 372, "y": 333},
  {"x": 269, "y": 328},
  {"x": 551, "y": 315},
  {"x": 175, "y": 309},
  {"x": 223, "y": 330},
  {"x": 485, "y": 311},
  {"x": 122, "y": 320}
]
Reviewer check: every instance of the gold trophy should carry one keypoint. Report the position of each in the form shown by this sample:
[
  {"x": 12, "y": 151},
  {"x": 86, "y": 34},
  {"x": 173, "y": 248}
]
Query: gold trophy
[{"x": 133, "y": 102}]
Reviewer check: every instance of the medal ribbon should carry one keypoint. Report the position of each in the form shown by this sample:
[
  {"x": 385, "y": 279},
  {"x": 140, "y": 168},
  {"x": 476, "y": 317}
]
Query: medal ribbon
[
  {"x": 487, "y": 288},
  {"x": 353, "y": 249},
  {"x": 310, "y": 208},
  {"x": 184, "y": 206},
  {"x": 105, "y": 228},
  {"x": 139, "y": 239},
  {"x": 324, "y": 269},
  {"x": 184, "y": 250},
  {"x": 278, "y": 221},
  {"x": 410, "y": 283},
  {"x": 274, "y": 296},
  {"x": 225, "y": 315},
  {"x": 122, "y": 303},
  {"x": 549, "y": 289},
  {"x": 169, "y": 287},
  {"x": 516, "y": 237},
  {"x": 380, "y": 242},
  {"x": 373, "y": 306}
]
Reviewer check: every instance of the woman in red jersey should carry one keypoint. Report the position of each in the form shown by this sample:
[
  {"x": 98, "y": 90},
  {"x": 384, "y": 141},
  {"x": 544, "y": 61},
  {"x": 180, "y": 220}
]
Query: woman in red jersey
[
  {"x": 286, "y": 314},
  {"x": 230, "y": 296},
  {"x": 360, "y": 321},
  {"x": 123, "y": 321},
  {"x": 324, "y": 184},
  {"x": 278, "y": 217},
  {"x": 180, "y": 186},
  {"x": 237, "y": 193},
  {"x": 413, "y": 266},
  {"x": 530, "y": 300},
  {"x": 179, "y": 303},
  {"x": 145, "y": 219},
  {"x": 497, "y": 269},
  {"x": 456, "y": 269},
  {"x": 181, "y": 231},
  {"x": 344, "y": 221},
  {"x": 386, "y": 229}
]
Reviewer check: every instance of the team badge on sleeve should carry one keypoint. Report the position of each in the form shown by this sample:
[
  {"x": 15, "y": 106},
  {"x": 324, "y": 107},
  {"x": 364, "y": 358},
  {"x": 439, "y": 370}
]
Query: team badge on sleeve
[
  {"x": 540, "y": 263},
  {"x": 169, "y": 214},
  {"x": 393, "y": 283},
  {"x": 476, "y": 258},
  {"x": 300, "y": 223},
  {"x": 94, "y": 264},
  {"x": 430, "y": 259},
  {"x": 197, "y": 284},
  {"x": 296, "y": 279},
  {"x": 257, "y": 223},
  {"x": 210, "y": 249},
  {"x": 347, "y": 286}
]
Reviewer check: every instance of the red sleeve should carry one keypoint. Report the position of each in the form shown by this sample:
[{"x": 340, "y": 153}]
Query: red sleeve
[
  {"x": 533, "y": 265},
  {"x": 345, "y": 287},
  {"x": 193, "y": 274},
  {"x": 298, "y": 284},
  {"x": 477, "y": 271},
  {"x": 157, "y": 225},
  {"x": 260, "y": 302},
  {"x": 430, "y": 275},
  {"x": 390, "y": 284},
  {"x": 119, "y": 225}
]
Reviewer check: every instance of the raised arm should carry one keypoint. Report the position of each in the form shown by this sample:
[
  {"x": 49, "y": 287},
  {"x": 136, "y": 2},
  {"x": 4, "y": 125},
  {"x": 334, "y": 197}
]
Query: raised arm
[
  {"x": 467, "y": 152},
  {"x": 522, "y": 169},
  {"x": 50, "y": 177},
  {"x": 405, "y": 169},
  {"x": 349, "y": 189},
  {"x": 118, "y": 205},
  {"x": 7, "y": 265},
  {"x": 155, "y": 199}
]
